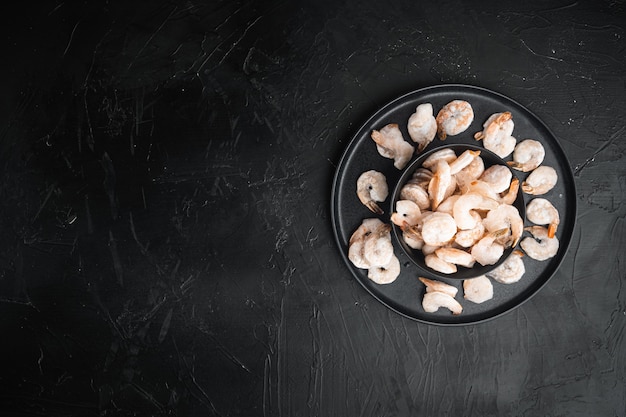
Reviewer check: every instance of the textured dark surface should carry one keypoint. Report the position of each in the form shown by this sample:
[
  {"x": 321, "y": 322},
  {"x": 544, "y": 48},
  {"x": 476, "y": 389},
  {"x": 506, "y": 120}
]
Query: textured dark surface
[{"x": 166, "y": 170}]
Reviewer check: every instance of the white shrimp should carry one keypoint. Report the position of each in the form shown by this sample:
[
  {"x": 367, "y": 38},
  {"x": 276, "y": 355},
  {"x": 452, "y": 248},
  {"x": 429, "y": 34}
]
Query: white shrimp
[
  {"x": 541, "y": 211},
  {"x": 438, "y": 229},
  {"x": 412, "y": 241},
  {"x": 540, "y": 181},
  {"x": 416, "y": 194},
  {"x": 371, "y": 187},
  {"x": 540, "y": 247},
  {"x": 385, "y": 274},
  {"x": 422, "y": 126},
  {"x": 445, "y": 154},
  {"x": 440, "y": 184},
  {"x": 465, "y": 204},
  {"x": 478, "y": 290},
  {"x": 471, "y": 172},
  {"x": 391, "y": 144},
  {"x": 498, "y": 177},
  {"x": 455, "y": 256},
  {"x": 463, "y": 161},
  {"x": 505, "y": 216},
  {"x": 433, "y": 285},
  {"x": 436, "y": 263},
  {"x": 433, "y": 300},
  {"x": 421, "y": 177},
  {"x": 447, "y": 205},
  {"x": 454, "y": 118},
  {"x": 511, "y": 195},
  {"x": 511, "y": 270},
  {"x": 487, "y": 251},
  {"x": 406, "y": 212},
  {"x": 528, "y": 155},
  {"x": 355, "y": 249},
  {"x": 497, "y": 134},
  {"x": 467, "y": 238},
  {"x": 377, "y": 247}
]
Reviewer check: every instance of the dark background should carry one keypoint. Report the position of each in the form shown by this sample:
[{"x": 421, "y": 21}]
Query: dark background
[{"x": 167, "y": 248}]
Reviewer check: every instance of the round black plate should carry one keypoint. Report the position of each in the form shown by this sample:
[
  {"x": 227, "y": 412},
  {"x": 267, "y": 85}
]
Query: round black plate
[{"x": 404, "y": 296}]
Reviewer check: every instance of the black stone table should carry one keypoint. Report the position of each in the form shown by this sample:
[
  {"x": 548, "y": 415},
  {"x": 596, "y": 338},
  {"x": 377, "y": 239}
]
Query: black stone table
[{"x": 165, "y": 183}]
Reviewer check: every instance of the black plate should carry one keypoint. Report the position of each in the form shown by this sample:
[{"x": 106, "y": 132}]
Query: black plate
[{"x": 405, "y": 294}]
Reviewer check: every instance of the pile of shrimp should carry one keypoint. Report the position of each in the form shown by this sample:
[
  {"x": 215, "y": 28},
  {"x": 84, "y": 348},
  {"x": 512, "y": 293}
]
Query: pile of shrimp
[
  {"x": 457, "y": 212},
  {"x": 371, "y": 248}
]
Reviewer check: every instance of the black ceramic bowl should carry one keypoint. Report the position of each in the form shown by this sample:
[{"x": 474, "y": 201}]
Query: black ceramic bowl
[{"x": 489, "y": 158}]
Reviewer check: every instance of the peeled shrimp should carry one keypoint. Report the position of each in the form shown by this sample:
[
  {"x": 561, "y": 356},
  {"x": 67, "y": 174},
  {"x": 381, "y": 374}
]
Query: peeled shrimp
[
  {"x": 433, "y": 300},
  {"x": 355, "y": 249},
  {"x": 454, "y": 118},
  {"x": 540, "y": 247},
  {"x": 433, "y": 285},
  {"x": 511, "y": 195},
  {"x": 541, "y": 211},
  {"x": 505, "y": 217},
  {"x": 463, "y": 161},
  {"x": 438, "y": 229},
  {"x": 413, "y": 241},
  {"x": 511, "y": 270},
  {"x": 496, "y": 134},
  {"x": 445, "y": 154},
  {"x": 487, "y": 251},
  {"x": 540, "y": 181},
  {"x": 385, "y": 274},
  {"x": 436, "y": 263},
  {"x": 440, "y": 183},
  {"x": 471, "y": 172},
  {"x": 498, "y": 177},
  {"x": 377, "y": 246},
  {"x": 391, "y": 144},
  {"x": 528, "y": 155},
  {"x": 455, "y": 256},
  {"x": 406, "y": 212},
  {"x": 422, "y": 126},
  {"x": 416, "y": 194},
  {"x": 447, "y": 205},
  {"x": 467, "y": 238},
  {"x": 421, "y": 177},
  {"x": 465, "y": 204},
  {"x": 478, "y": 290},
  {"x": 371, "y": 187}
]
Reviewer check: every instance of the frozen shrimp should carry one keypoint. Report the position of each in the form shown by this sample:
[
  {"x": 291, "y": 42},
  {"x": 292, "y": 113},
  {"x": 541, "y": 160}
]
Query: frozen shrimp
[
  {"x": 455, "y": 256},
  {"x": 454, "y": 118},
  {"x": 445, "y": 154},
  {"x": 421, "y": 177},
  {"x": 447, "y": 205},
  {"x": 541, "y": 211},
  {"x": 434, "y": 285},
  {"x": 505, "y": 217},
  {"x": 371, "y": 187},
  {"x": 357, "y": 240},
  {"x": 498, "y": 177},
  {"x": 467, "y": 238},
  {"x": 497, "y": 134},
  {"x": 433, "y": 300},
  {"x": 385, "y": 274},
  {"x": 391, "y": 144},
  {"x": 528, "y": 155},
  {"x": 440, "y": 183},
  {"x": 406, "y": 212},
  {"x": 463, "y": 161},
  {"x": 540, "y": 181},
  {"x": 377, "y": 247},
  {"x": 471, "y": 172},
  {"x": 436, "y": 263},
  {"x": 478, "y": 290},
  {"x": 540, "y": 247},
  {"x": 465, "y": 204},
  {"x": 511, "y": 270},
  {"x": 488, "y": 251},
  {"x": 438, "y": 229},
  {"x": 416, "y": 194},
  {"x": 422, "y": 126},
  {"x": 511, "y": 195}
]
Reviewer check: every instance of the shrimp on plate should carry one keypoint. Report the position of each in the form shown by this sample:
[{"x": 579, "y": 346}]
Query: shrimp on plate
[
  {"x": 528, "y": 155},
  {"x": 455, "y": 256},
  {"x": 433, "y": 300},
  {"x": 505, "y": 217},
  {"x": 438, "y": 229},
  {"x": 421, "y": 177},
  {"x": 391, "y": 144},
  {"x": 463, "y": 161},
  {"x": 467, "y": 238},
  {"x": 488, "y": 251},
  {"x": 497, "y": 134},
  {"x": 377, "y": 246},
  {"x": 433, "y": 285},
  {"x": 436, "y": 263},
  {"x": 422, "y": 126},
  {"x": 540, "y": 246},
  {"x": 498, "y": 177},
  {"x": 471, "y": 172},
  {"x": 385, "y": 274},
  {"x": 439, "y": 186},
  {"x": 541, "y": 180},
  {"x": 406, "y": 212},
  {"x": 416, "y": 194},
  {"x": 511, "y": 270},
  {"x": 541, "y": 211},
  {"x": 478, "y": 290},
  {"x": 371, "y": 187},
  {"x": 445, "y": 154},
  {"x": 454, "y": 118},
  {"x": 357, "y": 240},
  {"x": 468, "y": 202}
]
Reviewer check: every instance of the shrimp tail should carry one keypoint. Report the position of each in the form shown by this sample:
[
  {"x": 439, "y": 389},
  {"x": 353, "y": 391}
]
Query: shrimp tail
[
  {"x": 515, "y": 165},
  {"x": 411, "y": 230},
  {"x": 479, "y": 135},
  {"x": 552, "y": 230},
  {"x": 375, "y": 208}
]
